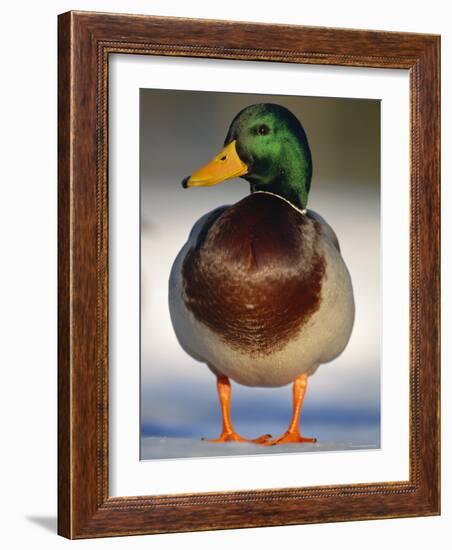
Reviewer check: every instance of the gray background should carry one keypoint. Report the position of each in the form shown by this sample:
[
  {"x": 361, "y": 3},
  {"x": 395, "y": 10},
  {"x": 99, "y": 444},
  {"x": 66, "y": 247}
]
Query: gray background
[{"x": 180, "y": 131}]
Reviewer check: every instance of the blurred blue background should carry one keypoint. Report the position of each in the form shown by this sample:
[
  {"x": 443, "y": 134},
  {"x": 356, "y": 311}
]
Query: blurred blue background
[{"x": 179, "y": 404}]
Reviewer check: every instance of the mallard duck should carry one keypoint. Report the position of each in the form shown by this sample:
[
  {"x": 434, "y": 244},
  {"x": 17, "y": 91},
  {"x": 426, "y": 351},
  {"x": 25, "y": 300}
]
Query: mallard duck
[{"x": 260, "y": 292}]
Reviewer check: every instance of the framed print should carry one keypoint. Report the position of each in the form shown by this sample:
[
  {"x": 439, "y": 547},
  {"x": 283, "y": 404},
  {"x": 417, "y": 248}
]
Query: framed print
[{"x": 248, "y": 275}]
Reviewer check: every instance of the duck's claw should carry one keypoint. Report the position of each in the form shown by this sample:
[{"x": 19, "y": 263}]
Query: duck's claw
[
  {"x": 233, "y": 436},
  {"x": 262, "y": 439}
]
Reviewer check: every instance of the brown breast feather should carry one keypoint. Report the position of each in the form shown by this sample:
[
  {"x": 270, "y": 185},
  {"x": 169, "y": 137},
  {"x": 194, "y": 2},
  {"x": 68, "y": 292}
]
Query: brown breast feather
[{"x": 254, "y": 277}]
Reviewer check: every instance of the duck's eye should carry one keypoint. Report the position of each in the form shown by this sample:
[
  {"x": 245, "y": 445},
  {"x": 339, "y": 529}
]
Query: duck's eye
[{"x": 263, "y": 130}]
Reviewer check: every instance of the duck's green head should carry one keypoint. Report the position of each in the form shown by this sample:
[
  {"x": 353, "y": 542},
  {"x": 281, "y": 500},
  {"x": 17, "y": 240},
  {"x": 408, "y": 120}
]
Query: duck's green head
[{"x": 267, "y": 146}]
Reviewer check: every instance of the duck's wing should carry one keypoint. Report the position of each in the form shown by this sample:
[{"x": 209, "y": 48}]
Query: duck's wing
[
  {"x": 202, "y": 226},
  {"x": 325, "y": 229},
  {"x": 180, "y": 319}
]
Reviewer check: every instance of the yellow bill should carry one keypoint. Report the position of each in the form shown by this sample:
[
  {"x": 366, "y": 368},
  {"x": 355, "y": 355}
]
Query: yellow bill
[{"x": 226, "y": 165}]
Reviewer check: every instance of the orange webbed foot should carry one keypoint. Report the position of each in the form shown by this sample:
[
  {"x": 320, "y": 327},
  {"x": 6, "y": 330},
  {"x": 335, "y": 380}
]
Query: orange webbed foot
[{"x": 291, "y": 437}]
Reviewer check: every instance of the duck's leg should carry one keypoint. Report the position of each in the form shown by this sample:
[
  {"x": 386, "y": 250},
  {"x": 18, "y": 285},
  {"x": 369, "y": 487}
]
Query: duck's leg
[
  {"x": 293, "y": 435},
  {"x": 228, "y": 433}
]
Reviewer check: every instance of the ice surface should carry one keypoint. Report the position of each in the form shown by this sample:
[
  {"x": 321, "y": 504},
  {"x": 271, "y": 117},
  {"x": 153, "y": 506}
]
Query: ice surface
[{"x": 355, "y": 438}]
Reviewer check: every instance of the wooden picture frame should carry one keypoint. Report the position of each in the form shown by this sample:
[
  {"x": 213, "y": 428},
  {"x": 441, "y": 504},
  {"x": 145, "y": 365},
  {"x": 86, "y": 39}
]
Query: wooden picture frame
[{"x": 85, "y": 42}]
